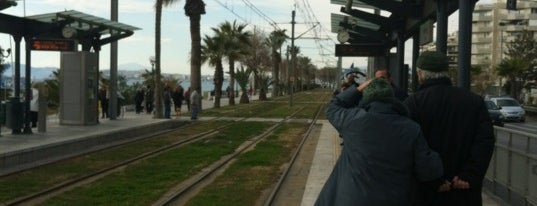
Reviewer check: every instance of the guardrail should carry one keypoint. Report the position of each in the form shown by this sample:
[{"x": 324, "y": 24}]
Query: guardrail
[
  {"x": 530, "y": 109},
  {"x": 512, "y": 173}
]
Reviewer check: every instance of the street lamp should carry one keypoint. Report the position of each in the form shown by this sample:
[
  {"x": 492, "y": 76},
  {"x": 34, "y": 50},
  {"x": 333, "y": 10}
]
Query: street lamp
[{"x": 502, "y": 29}]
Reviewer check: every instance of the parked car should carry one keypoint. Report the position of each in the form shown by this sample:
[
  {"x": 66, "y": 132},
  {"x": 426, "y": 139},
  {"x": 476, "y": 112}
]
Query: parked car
[
  {"x": 510, "y": 108},
  {"x": 495, "y": 113}
]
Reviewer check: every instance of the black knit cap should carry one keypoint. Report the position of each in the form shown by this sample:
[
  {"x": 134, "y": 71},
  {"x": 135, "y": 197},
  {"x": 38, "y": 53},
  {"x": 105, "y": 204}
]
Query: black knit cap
[{"x": 432, "y": 61}]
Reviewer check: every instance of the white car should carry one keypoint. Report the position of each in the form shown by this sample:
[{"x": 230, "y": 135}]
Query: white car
[{"x": 510, "y": 108}]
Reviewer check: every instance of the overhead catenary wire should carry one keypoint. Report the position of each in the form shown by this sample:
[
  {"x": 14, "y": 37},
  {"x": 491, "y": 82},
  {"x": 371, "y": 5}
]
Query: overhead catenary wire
[{"x": 321, "y": 37}]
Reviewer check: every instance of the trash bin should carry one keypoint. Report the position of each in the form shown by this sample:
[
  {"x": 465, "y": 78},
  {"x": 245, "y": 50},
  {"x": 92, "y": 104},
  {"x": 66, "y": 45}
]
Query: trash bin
[{"x": 14, "y": 113}]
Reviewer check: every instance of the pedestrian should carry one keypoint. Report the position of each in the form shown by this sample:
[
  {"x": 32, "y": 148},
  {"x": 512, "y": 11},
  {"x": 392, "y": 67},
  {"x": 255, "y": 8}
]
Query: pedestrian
[
  {"x": 138, "y": 99},
  {"x": 456, "y": 124},
  {"x": 351, "y": 79},
  {"x": 384, "y": 150},
  {"x": 342, "y": 88},
  {"x": 103, "y": 98},
  {"x": 195, "y": 100},
  {"x": 399, "y": 93},
  {"x": 167, "y": 98},
  {"x": 187, "y": 99},
  {"x": 34, "y": 105},
  {"x": 149, "y": 96},
  {"x": 177, "y": 96}
]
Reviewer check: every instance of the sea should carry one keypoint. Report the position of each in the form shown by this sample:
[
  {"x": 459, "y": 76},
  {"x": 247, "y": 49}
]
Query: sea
[{"x": 208, "y": 85}]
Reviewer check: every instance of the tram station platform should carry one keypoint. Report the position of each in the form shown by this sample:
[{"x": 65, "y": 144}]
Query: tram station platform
[
  {"x": 22, "y": 150},
  {"x": 325, "y": 157}
]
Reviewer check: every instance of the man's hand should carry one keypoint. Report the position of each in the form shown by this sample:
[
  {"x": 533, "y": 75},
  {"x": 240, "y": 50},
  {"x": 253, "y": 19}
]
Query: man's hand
[
  {"x": 445, "y": 187},
  {"x": 363, "y": 86},
  {"x": 460, "y": 184}
]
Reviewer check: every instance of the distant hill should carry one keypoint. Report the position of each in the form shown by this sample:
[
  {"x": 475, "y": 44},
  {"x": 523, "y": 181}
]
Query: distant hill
[{"x": 38, "y": 73}]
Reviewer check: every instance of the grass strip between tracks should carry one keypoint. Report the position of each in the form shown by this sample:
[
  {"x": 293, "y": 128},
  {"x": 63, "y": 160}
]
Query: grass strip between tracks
[
  {"x": 37, "y": 179},
  {"x": 145, "y": 182},
  {"x": 256, "y": 171}
]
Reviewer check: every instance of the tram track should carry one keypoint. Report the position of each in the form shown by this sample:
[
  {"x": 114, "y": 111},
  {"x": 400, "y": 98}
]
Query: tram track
[
  {"x": 67, "y": 185},
  {"x": 70, "y": 184},
  {"x": 180, "y": 194}
]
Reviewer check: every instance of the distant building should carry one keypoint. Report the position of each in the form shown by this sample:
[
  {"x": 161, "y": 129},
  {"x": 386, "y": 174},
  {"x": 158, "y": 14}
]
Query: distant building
[{"x": 493, "y": 26}]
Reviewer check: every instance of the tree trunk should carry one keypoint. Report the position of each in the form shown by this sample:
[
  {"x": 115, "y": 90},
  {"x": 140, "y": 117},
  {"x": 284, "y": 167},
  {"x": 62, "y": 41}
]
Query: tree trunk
[
  {"x": 275, "y": 73},
  {"x": 218, "y": 81},
  {"x": 232, "y": 81},
  {"x": 262, "y": 94},
  {"x": 195, "y": 61},
  {"x": 244, "y": 98},
  {"x": 158, "y": 86}
]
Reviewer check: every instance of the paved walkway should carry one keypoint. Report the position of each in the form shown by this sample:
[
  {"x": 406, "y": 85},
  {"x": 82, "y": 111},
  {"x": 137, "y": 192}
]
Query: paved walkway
[{"x": 324, "y": 159}]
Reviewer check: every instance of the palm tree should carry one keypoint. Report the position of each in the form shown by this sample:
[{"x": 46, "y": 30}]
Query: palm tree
[
  {"x": 258, "y": 59},
  {"x": 159, "y": 4},
  {"x": 263, "y": 83},
  {"x": 512, "y": 68},
  {"x": 53, "y": 90},
  {"x": 275, "y": 41},
  {"x": 236, "y": 41},
  {"x": 242, "y": 77},
  {"x": 194, "y": 9},
  {"x": 212, "y": 52}
]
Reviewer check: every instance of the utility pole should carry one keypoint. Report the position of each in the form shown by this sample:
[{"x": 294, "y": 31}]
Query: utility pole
[
  {"x": 293, "y": 59},
  {"x": 112, "y": 108}
]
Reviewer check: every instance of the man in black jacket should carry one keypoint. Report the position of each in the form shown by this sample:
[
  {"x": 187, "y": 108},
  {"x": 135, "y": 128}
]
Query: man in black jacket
[
  {"x": 456, "y": 124},
  {"x": 384, "y": 150}
]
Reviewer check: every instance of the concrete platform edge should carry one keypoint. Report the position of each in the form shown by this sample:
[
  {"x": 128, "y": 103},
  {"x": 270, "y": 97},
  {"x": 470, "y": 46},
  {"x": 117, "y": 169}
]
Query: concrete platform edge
[{"x": 31, "y": 157}]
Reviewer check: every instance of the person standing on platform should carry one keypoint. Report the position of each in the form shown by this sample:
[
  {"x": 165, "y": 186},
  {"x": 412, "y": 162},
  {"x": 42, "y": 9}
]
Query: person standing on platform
[
  {"x": 187, "y": 99},
  {"x": 34, "y": 105},
  {"x": 351, "y": 80},
  {"x": 138, "y": 99},
  {"x": 456, "y": 124},
  {"x": 384, "y": 150},
  {"x": 195, "y": 100},
  {"x": 177, "y": 96},
  {"x": 103, "y": 98},
  {"x": 167, "y": 97},
  {"x": 399, "y": 93},
  {"x": 149, "y": 96}
]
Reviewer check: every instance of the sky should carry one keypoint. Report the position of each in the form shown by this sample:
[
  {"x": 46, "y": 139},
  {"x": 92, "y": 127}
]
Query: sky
[{"x": 138, "y": 48}]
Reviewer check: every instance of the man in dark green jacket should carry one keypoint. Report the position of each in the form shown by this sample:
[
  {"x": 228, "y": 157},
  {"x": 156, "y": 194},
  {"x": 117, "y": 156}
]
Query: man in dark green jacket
[
  {"x": 384, "y": 150},
  {"x": 456, "y": 124}
]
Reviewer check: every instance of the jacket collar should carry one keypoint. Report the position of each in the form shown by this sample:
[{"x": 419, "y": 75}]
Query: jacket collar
[{"x": 433, "y": 82}]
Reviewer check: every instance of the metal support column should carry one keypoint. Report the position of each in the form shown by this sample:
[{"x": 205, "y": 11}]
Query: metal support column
[
  {"x": 400, "y": 60},
  {"x": 339, "y": 71},
  {"x": 415, "y": 54},
  {"x": 465, "y": 42},
  {"x": 441, "y": 26},
  {"x": 293, "y": 59},
  {"x": 17, "y": 81},
  {"x": 28, "y": 86}
]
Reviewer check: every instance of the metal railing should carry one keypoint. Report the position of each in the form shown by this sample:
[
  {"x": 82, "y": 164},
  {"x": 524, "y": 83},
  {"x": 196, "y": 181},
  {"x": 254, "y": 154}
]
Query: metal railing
[
  {"x": 512, "y": 173},
  {"x": 530, "y": 109}
]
